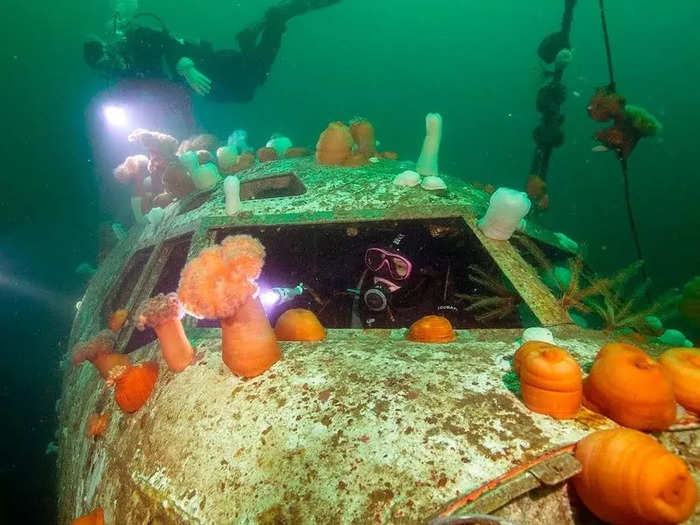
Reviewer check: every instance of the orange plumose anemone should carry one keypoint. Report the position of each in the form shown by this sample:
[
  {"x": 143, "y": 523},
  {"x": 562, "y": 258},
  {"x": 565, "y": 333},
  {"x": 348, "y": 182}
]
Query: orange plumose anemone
[
  {"x": 220, "y": 284},
  {"x": 157, "y": 143},
  {"x": 163, "y": 313},
  {"x": 100, "y": 352}
]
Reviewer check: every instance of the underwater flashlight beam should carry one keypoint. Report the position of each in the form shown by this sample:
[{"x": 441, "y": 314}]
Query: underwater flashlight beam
[{"x": 115, "y": 116}]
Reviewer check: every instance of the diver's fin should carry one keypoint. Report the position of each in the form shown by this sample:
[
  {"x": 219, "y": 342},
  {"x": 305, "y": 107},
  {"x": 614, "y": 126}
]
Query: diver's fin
[{"x": 287, "y": 9}]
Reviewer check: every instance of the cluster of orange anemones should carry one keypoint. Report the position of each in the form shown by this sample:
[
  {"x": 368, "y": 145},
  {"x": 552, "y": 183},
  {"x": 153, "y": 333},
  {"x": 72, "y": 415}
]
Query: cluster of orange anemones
[
  {"x": 157, "y": 143},
  {"x": 627, "y": 476},
  {"x": 349, "y": 146}
]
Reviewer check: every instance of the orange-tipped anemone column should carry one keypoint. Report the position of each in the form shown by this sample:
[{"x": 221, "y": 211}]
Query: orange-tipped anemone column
[
  {"x": 100, "y": 352},
  {"x": 220, "y": 284},
  {"x": 248, "y": 343},
  {"x": 163, "y": 314},
  {"x": 177, "y": 350}
]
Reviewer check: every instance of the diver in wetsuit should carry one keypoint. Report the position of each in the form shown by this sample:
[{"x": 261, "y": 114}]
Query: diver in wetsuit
[{"x": 225, "y": 75}]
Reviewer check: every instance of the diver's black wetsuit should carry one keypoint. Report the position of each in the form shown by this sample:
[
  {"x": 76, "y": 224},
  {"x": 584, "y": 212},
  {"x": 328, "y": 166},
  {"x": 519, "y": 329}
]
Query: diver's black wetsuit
[{"x": 235, "y": 75}]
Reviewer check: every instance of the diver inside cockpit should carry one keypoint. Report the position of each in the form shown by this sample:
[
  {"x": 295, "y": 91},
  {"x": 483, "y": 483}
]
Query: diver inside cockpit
[{"x": 401, "y": 283}]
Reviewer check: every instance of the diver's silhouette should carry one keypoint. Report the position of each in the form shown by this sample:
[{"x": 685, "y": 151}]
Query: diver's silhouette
[{"x": 225, "y": 75}]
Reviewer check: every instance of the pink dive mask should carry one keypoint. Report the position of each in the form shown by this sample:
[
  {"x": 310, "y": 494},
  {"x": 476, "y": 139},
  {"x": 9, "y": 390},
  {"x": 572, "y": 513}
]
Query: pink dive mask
[{"x": 398, "y": 266}]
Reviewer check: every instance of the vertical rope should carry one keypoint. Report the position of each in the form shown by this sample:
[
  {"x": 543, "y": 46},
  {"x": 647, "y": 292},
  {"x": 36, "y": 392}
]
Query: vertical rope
[
  {"x": 604, "y": 23},
  {"x": 623, "y": 162},
  {"x": 630, "y": 215}
]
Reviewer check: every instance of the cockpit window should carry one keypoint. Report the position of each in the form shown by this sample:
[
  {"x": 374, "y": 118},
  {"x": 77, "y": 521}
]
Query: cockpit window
[
  {"x": 383, "y": 274},
  {"x": 274, "y": 186},
  {"x": 173, "y": 258},
  {"x": 121, "y": 293}
]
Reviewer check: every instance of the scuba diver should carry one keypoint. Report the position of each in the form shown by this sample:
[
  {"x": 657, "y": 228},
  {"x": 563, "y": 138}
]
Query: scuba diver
[
  {"x": 402, "y": 282},
  {"x": 225, "y": 75}
]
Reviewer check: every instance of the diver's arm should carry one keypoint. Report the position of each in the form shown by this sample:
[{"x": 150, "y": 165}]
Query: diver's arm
[{"x": 197, "y": 81}]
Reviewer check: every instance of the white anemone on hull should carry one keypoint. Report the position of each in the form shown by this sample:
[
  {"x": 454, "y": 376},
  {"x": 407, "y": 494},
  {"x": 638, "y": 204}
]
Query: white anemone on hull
[
  {"x": 428, "y": 161},
  {"x": 155, "y": 216},
  {"x": 206, "y": 177},
  {"x": 239, "y": 140},
  {"x": 407, "y": 178},
  {"x": 280, "y": 145},
  {"x": 226, "y": 158},
  {"x": 189, "y": 161},
  {"x": 538, "y": 333},
  {"x": 433, "y": 183},
  {"x": 232, "y": 194},
  {"x": 507, "y": 208}
]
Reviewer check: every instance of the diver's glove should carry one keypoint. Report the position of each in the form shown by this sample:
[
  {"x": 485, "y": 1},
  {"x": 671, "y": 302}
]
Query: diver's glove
[{"x": 197, "y": 81}]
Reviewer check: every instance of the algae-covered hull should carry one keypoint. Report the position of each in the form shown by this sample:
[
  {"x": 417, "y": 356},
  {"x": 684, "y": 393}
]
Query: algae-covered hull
[{"x": 363, "y": 427}]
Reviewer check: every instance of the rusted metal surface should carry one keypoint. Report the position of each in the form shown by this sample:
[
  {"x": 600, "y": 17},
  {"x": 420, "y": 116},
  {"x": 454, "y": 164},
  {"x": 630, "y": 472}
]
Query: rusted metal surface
[
  {"x": 556, "y": 470},
  {"x": 362, "y": 428},
  {"x": 501, "y": 496}
]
